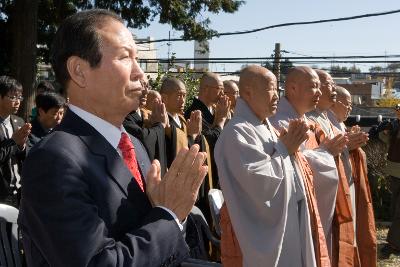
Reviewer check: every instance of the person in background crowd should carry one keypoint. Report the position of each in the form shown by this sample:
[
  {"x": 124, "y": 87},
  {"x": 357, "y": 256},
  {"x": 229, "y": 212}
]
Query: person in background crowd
[
  {"x": 13, "y": 135},
  {"x": 214, "y": 108},
  {"x": 391, "y": 136},
  {"x": 43, "y": 86},
  {"x": 91, "y": 196},
  {"x": 184, "y": 133},
  {"x": 152, "y": 97},
  {"x": 149, "y": 127},
  {"x": 231, "y": 90},
  {"x": 50, "y": 106}
]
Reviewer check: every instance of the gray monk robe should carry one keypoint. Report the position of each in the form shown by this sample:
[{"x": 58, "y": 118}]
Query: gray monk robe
[
  {"x": 265, "y": 199},
  {"x": 323, "y": 167}
]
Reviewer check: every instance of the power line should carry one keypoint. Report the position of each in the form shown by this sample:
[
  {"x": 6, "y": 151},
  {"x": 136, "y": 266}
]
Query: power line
[
  {"x": 280, "y": 25},
  {"x": 282, "y": 58}
]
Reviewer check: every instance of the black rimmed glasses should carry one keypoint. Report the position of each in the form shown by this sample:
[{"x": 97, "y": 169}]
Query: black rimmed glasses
[{"x": 15, "y": 98}]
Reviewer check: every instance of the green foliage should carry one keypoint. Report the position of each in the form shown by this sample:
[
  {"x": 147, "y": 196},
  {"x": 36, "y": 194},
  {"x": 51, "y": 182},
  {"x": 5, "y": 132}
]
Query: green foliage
[
  {"x": 186, "y": 16},
  {"x": 188, "y": 77}
]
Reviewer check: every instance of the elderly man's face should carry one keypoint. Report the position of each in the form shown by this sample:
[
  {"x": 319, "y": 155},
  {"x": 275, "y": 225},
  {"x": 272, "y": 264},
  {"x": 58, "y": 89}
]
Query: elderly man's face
[
  {"x": 308, "y": 91},
  {"x": 264, "y": 96},
  {"x": 175, "y": 101},
  {"x": 231, "y": 90},
  {"x": 328, "y": 97},
  {"x": 114, "y": 87},
  {"x": 215, "y": 90},
  {"x": 343, "y": 108}
]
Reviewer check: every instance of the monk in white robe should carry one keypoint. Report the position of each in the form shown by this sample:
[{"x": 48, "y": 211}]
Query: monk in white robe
[
  {"x": 302, "y": 95},
  {"x": 265, "y": 198},
  {"x": 356, "y": 168}
]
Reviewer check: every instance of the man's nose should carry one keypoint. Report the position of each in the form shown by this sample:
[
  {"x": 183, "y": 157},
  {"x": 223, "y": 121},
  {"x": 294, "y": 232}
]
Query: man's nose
[{"x": 137, "y": 73}]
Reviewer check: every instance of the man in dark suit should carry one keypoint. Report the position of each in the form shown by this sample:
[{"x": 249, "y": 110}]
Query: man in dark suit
[
  {"x": 13, "y": 135},
  {"x": 91, "y": 197},
  {"x": 214, "y": 108}
]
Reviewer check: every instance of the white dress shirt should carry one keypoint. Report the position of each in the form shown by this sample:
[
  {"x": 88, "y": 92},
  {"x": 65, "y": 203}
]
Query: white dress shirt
[{"x": 113, "y": 134}]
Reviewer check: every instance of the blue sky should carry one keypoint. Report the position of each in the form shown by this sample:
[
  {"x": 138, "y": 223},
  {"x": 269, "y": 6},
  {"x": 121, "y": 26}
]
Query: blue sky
[{"x": 368, "y": 36}]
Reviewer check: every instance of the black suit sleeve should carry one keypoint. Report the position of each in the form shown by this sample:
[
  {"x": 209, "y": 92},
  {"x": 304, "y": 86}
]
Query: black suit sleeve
[{"x": 64, "y": 225}]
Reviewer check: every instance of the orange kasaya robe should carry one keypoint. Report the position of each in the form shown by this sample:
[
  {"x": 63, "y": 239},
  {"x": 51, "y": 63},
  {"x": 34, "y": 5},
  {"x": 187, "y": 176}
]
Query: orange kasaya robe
[
  {"x": 320, "y": 247},
  {"x": 344, "y": 254}
]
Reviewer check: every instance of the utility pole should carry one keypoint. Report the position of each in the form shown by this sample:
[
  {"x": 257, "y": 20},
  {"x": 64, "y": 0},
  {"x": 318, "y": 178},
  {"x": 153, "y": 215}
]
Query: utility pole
[{"x": 276, "y": 69}]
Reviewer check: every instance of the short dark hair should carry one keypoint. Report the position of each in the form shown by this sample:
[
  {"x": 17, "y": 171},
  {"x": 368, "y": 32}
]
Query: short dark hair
[
  {"x": 78, "y": 36},
  {"x": 48, "y": 100},
  {"x": 45, "y": 86},
  {"x": 9, "y": 84}
]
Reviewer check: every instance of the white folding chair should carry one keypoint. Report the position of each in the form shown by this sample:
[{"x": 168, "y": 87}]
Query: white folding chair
[{"x": 216, "y": 199}]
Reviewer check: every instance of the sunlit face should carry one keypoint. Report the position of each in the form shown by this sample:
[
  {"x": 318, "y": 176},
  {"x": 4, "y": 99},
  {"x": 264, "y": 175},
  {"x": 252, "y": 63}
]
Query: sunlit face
[
  {"x": 215, "y": 91},
  {"x": 343, "y": 107},
  {"x": 328, "y": 97},
  {"x": 51, "y": 118},
  {"x": 114, "y": 87},
  {"x": 308, "y": 92},
  {"x": 11, "y": 102},
  {"x": 263, "y": 96},
  {"x": 231, "y": 90},
  {"x": 175, "y": 100}
]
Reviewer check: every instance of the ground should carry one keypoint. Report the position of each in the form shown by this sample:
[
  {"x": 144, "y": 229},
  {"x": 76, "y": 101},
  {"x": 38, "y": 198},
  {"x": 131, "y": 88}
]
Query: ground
[{"x": 393, "y": 261}]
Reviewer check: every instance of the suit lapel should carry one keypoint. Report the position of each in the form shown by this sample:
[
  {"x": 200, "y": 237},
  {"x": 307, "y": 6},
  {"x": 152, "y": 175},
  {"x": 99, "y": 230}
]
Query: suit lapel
[{"x": 98, "y": 145}]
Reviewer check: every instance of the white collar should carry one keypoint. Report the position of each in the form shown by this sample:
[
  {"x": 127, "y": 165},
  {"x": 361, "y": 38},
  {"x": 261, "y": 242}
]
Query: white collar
[{"x": 111, "y": 133}]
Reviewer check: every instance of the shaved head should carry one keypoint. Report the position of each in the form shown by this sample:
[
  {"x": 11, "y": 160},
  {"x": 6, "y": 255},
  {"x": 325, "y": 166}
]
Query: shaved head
[
  {"x": 302, "y": 89},
  {"x": 342, "y": 93},
  {"x": 343, "y": 106},
  {"x": 211, "y": 88},
  {"x": 209, "y": 79},
  {"x": 231, "y": 90},
  {"x": 171, "y": 84},
  {"x": 152, "y": 97},
  {"x": 173, "y": 93},
  {"x": 328, "y": 97},
  {"x": 258, "y": 88}
]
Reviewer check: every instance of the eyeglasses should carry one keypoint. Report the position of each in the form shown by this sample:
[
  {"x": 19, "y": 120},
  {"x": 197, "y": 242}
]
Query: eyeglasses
[
  {"x": 15, "y": 98},
  {"x": 345, "y": 105}
]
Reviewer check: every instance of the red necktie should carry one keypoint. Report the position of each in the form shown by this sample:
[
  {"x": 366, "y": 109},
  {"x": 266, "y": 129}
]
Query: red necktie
[{"x": 128, "y": 153}]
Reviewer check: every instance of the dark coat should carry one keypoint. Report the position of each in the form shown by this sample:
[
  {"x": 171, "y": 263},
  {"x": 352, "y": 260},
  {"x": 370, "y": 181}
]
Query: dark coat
[
  {"x": 9, "y": 154},
  {"x": 210, "y": 132},
  {"x": 81, "y": 206},
  {"x": 37, "y": 133},
  {"x": 152, "y": 138}
]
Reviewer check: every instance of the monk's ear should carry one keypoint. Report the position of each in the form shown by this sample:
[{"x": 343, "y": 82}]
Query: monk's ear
[{"x": 78, "y": 70}]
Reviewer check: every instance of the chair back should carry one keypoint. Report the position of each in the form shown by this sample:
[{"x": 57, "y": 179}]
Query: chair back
[
  {"x": 9, "y": 250},
  {"x": 216, "y": 199}
]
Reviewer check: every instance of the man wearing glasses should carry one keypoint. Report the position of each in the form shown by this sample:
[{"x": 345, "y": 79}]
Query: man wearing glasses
[{"x": 13, "y": 135}]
